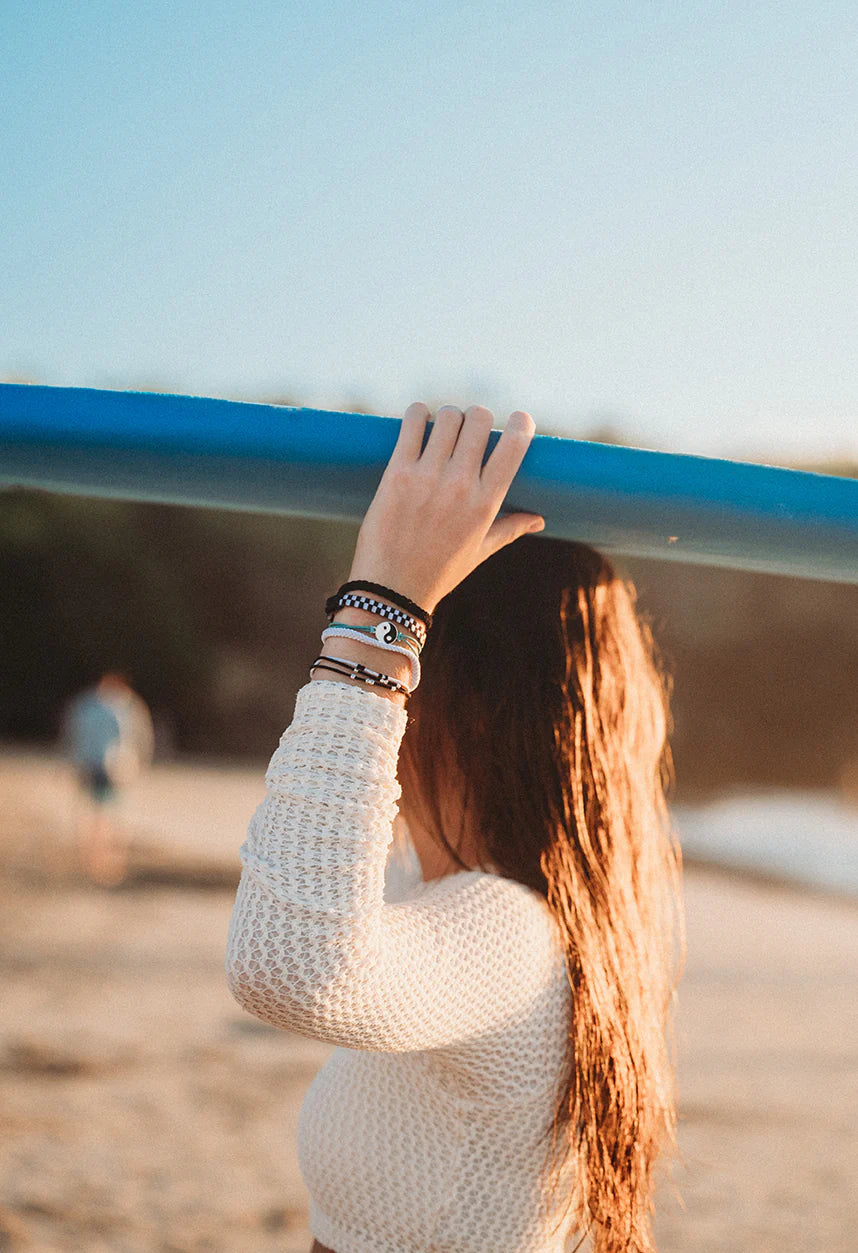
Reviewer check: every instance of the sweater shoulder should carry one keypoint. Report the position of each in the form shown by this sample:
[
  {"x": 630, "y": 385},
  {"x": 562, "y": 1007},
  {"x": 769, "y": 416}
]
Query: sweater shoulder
[{"x": 477, "y": 897}]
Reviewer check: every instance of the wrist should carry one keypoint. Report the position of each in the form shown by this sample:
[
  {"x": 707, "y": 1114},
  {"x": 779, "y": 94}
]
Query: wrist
[
  {"x": 353, "y": 616},
  {"x": 393, "y": 664},
  {"x": 404, "y": 587}
]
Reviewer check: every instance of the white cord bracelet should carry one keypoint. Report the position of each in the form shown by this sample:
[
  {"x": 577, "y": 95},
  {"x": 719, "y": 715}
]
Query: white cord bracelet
[{"x": 342, "y": 631}]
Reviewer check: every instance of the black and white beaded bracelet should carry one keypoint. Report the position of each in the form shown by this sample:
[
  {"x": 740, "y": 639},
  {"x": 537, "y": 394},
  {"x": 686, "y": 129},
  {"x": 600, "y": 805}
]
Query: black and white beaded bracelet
[
  {"x": 395, "y": 598},
  {"x": 354, "y": 670},
  {"x": 354, "y": 600}
]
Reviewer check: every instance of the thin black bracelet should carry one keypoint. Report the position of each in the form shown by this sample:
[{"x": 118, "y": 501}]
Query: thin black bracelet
[
  {"x": 382, "y": 681},
  {"x": 355, "y": 600},
  {"x": 354, "y": 670},
  {"x": 401, "y": 691},
  {"x": 357, "y": 669},
  {"x": 358, "y": 585}
]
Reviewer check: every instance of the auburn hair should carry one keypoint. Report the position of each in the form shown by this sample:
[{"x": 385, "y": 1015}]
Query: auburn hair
[{"x": 545, "y": 703}]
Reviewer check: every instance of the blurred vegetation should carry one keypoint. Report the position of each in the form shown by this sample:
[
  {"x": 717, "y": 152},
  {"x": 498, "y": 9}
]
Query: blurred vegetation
[
  {"x": 765, "y": 684},
  {"x": 216, "y": 616}
]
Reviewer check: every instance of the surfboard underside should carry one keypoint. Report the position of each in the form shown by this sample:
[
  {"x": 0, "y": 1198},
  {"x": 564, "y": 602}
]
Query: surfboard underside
[{"x": 632, "y": 502}]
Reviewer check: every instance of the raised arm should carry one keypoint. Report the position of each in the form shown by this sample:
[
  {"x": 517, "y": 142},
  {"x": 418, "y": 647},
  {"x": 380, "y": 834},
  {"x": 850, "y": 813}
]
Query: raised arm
[{"x": 312, "y": 945}]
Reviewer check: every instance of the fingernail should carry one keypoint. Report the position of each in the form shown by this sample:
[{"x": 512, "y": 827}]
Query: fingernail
[{"x": 537, "y": 526}]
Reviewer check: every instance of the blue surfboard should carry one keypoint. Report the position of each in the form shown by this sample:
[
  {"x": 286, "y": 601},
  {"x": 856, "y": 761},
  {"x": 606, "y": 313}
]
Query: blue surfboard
[{"x": 635, "y": 502}]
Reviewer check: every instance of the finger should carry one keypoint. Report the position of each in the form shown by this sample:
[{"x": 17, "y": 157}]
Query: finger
[
  {"x": 508, "y": 454},
  {"x": 510, "y": 527},
  {"x": 473, "y": 437},
  {"x": 411, "y": 432},
  {"x": 443, "y": 436}
]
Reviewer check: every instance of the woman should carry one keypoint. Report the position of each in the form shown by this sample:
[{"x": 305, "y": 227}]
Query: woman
[{"x": 503, "y": 1081}]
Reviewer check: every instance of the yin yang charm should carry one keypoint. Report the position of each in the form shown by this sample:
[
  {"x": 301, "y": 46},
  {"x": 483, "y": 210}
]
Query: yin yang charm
[{"x": 386, "y": 633}]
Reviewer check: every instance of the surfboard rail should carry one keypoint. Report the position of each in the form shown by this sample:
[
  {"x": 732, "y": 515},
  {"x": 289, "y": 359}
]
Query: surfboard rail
[{"x": 194, "y": 450}]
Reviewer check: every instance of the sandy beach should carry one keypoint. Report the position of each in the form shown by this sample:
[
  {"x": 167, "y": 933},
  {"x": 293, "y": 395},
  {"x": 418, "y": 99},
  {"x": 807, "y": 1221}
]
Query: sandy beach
[{"x": 142, "y": 1109}]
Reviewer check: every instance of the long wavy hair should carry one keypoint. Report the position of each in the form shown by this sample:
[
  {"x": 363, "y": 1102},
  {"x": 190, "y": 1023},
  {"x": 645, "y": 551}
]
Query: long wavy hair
[{"x": 545, "y": 703}]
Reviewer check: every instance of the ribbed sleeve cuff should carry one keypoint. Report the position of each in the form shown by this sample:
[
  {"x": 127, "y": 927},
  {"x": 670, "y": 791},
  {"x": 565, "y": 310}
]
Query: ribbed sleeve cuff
[{"x": 378, "y": 712}]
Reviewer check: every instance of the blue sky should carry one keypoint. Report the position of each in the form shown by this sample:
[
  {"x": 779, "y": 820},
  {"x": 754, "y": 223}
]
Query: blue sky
[{"x": 635, "y": 213}]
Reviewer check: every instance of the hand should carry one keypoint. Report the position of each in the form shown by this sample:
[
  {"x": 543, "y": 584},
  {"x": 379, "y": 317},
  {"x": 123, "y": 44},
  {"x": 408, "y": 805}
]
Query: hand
[{"x": 434, "y": 517}]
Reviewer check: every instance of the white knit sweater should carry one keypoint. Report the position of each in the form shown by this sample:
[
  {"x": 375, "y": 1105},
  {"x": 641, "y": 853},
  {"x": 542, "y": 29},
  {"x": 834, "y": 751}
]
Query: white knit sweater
[{"x": 451, "y": 1008}]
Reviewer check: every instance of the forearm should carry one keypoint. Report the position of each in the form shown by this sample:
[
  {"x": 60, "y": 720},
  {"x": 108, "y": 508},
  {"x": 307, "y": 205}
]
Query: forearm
[{"x": 311, "y": 891}]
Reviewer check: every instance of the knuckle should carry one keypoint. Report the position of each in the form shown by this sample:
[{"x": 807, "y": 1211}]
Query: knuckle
[
  {"x": 458, "y": 480},
  {"x": 398, "y": 471},
  {"x": 423, "y": 475},
  {"x": 456, "y": 484}
]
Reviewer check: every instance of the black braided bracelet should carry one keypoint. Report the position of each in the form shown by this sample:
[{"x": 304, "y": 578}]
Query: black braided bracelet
[{"x": 396, "y": 598}]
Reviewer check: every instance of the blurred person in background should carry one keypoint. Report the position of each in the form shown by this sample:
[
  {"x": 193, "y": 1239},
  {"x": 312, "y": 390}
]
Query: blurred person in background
[{"x": 108, "y": 737}]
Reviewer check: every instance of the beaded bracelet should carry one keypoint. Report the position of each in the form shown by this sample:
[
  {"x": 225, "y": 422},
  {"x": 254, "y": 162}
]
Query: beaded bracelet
[
  {"x": 358, "y": 585},
  {"x": 354, "y": 670},
  {"x": 355, "y": 601},
  {"x": 356, "y": 633}
]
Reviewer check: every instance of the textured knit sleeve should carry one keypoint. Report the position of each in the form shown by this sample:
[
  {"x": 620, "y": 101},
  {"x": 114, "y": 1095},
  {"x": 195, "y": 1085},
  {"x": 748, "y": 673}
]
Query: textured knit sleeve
[{"x": 312, "y": 945}]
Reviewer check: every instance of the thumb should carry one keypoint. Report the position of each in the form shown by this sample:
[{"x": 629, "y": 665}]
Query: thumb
[{"x": 508, "y": 528}]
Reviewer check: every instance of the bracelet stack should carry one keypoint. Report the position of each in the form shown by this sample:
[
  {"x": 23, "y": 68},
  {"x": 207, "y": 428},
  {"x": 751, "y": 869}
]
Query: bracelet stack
[
  {"x": 359, "y": 633},
  {"x": 341, "y": 600},
  {"x": 402, "y": 629}
]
